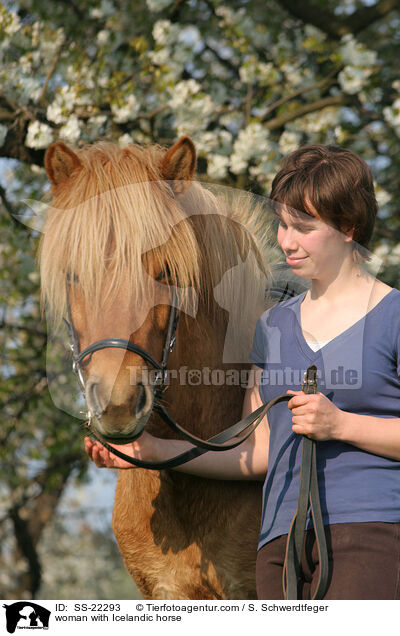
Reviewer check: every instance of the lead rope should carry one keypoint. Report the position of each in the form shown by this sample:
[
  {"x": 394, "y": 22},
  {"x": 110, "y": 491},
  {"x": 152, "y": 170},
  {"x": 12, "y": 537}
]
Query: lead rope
[{"x": 308, "y": 496}]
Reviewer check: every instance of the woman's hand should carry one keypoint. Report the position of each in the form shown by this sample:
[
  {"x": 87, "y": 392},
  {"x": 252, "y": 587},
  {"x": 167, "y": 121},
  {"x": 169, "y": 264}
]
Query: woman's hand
[
  {"x": 315, "y": 416},
  {"x": 143, "y": 448}
]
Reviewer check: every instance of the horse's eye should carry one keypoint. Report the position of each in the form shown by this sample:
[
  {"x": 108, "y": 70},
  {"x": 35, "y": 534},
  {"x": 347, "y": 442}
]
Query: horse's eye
[
  {"x": 72, "y": 277},
  {"x": 164, "y": 274}
]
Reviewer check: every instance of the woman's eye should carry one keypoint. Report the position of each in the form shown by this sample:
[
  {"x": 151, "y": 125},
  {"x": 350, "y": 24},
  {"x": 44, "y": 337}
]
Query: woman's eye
[{"x": 303, "y": 229}]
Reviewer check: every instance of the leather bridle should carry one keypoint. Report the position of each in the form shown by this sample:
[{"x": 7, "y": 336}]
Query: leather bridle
[
  {"x": 79, "y": 356},
  {"x": 308, "y": 492},
  {"x": 220, "y": 442}
]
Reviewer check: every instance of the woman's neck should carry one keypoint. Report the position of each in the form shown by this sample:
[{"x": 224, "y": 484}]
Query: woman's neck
[{"x": 349, "y": 281}]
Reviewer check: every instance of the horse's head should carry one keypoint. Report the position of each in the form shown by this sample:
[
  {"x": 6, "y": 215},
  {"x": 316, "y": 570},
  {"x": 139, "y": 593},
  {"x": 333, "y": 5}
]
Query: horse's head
[
  {"x": 128, "y": 231},
  {"x": 116, "y": 250}
]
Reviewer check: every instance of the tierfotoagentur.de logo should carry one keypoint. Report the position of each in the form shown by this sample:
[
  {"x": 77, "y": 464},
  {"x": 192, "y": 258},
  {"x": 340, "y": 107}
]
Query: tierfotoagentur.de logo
[{"x": 26, "y": 615}]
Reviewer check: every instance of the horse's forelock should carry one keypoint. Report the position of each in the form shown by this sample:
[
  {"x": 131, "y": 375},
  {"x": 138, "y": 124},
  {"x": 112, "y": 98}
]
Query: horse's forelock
[{"x": 117, "y": 208}]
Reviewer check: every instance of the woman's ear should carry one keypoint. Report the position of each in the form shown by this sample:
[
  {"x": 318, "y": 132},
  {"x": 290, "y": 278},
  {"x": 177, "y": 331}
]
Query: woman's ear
[{"x": 348, "y": 236}]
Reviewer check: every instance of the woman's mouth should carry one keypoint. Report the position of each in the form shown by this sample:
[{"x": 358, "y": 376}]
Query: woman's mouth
[{"x": 292, "y": 262}]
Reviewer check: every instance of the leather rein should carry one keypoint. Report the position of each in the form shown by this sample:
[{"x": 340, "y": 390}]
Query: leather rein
[
  {"x": 308, "y": 492},
  {"x": 220, "y": 442}
]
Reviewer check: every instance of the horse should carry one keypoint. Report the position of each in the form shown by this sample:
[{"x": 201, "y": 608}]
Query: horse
[{"x": 125, "y": 227}]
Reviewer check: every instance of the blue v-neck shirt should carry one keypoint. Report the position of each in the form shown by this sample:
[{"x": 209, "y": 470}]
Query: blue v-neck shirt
[{"x": 359, "y": 372}]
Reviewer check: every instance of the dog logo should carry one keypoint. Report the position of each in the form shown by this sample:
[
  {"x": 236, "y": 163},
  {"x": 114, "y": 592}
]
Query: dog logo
[
  {"x": 26, "y": 615},
  {"x": 194, "y": 377}
]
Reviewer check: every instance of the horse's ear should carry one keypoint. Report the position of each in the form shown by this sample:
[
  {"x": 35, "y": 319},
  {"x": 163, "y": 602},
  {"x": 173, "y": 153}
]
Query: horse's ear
[
  {"x": 179, "y": 164},
  {"x": 60, "y": 163}
]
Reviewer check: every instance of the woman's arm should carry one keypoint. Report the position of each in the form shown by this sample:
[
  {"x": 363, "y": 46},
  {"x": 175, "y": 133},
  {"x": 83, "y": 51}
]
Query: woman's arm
[
  {"x": 379, "y": 435},
  {"x": 247, "y": 461},
  {"x": 317, "y": 417}
]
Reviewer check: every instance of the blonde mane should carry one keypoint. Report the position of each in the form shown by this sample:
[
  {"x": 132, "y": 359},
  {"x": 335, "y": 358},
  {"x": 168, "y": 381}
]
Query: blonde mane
[{"x": 116, "y": 210}]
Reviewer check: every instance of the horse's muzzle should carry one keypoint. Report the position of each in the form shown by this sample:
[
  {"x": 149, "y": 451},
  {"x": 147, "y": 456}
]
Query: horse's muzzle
[{"x": 118, "y": 423}]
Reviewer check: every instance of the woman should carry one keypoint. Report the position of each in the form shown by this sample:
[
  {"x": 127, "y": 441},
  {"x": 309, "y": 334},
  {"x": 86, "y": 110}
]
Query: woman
[{"x": 348, "y": 325}]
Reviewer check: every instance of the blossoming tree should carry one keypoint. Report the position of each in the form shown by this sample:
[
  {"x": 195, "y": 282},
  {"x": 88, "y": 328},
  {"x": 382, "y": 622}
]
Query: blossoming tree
[{"x": 248, "y": 81}]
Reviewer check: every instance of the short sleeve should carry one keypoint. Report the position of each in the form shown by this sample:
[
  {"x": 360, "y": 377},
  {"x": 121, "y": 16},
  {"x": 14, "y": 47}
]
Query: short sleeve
[
  {"x": 398, "y": 352},
  {"x": 257, "y": 353}
]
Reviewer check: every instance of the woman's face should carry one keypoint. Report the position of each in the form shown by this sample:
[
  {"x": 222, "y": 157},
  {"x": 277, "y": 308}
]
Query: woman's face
[{"x": 313, "y": 249}]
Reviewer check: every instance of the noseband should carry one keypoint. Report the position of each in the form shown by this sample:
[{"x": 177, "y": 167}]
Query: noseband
[{"x": 79, "y": 356}]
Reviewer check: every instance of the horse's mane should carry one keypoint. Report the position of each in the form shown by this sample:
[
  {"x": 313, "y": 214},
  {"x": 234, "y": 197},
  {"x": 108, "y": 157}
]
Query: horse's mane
[{"x": 117, "y": 209}]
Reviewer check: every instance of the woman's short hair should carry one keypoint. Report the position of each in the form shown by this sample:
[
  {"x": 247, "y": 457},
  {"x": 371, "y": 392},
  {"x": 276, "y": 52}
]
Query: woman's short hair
[{"x": 337, "y": 183}]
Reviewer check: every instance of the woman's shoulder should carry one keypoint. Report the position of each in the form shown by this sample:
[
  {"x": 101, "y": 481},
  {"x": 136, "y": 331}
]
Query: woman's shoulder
[
  {"x": 284, "y": 307},
  {"x": 382, "y": 293}
]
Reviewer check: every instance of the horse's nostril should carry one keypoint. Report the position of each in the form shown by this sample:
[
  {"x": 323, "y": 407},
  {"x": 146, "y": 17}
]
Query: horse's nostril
[
  {"x": 141, "y": 402},
  {"x": 93, "y": 399}
]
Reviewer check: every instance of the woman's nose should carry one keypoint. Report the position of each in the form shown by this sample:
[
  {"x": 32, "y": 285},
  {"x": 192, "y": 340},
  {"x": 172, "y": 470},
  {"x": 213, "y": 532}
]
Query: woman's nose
[{"x": 287, "y": 239}]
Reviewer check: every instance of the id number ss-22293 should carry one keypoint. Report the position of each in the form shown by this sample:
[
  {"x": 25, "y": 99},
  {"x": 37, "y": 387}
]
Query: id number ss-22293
[{"x": 97, "y": 607}]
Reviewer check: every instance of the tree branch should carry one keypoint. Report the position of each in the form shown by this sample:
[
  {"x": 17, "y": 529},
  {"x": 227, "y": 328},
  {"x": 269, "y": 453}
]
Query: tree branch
[
  {"x": 334, "y": 100},
  {"x": 363, "y": 17},
  {"x": 50, "y": 73},
  {"x": 8, "y": 207},
  {"x": 336, "y": 26},
  {"x": 322, "y": 84},
  {"x": 32, "y": 578}
]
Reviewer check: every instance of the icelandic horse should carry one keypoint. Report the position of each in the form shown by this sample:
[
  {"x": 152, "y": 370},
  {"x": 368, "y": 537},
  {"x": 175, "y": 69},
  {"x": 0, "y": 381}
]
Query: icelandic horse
[{"x": 125, "y": 226}]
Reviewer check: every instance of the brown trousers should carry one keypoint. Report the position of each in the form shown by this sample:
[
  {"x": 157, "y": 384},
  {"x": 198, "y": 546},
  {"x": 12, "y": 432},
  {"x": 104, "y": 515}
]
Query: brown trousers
[{"x": 364, "y": 563}]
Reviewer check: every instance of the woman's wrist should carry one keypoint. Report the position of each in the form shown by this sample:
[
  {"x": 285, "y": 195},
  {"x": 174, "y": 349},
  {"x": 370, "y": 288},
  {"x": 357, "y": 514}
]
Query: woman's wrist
[
  {"x": 341, "y": 427},
  {"x": 164, "y": 449}
]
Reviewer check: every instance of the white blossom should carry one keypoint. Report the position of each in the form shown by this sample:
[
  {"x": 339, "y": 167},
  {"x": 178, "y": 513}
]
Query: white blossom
[
  {"x": 233, "y": 121},
  {"x": 254, "y": 71},
  {"x": 9, "y": 22},
  {"x": 353, "y": 78},
  {"x": 289, "y": 141},
  {"x": 319, "y": 121},
  {"x": 217, "y": 166},
  {"x": 55, "y": 113},
  {"x": 158, "y": 5},
  {"x": 194, "y": 115},
  {"x": 67, "y": 97},
  {"x": 102, "y": 80},
  {"x": 24, "y": 64},
  {"x": 126, "y": 112},
  {"x": 382, "y": 196},
  {"x": 192, "y": 109},
  {"x": 165, "y": 33},
  {"x": 371, "y": 95},
  {"x": 30, "y": 88},
  {"x": 356, "y": 54},
  {"x": 96, "y": 123},
  {"x": 294, "y": 74},
  {"x": 105, "y": 9},
  {"x": 205, "y": 142},
  {"x": 251, "y": 143},
  {"x": 3, "y": 134},
  {"x": 71, "y": 131},
  {"x": 125, "y": 140},
  {"x": 388, "y": 254},
  {"x": 392, "y": 115},
  {"x": 103, "y": 36},
  {"x": 160, "y": 57},
  {"x": 39, "y": 135},
  {"x": 315, "y": 33},
  {"x": 340, "y": 134},
  {"x": 182, "y": 92}
]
